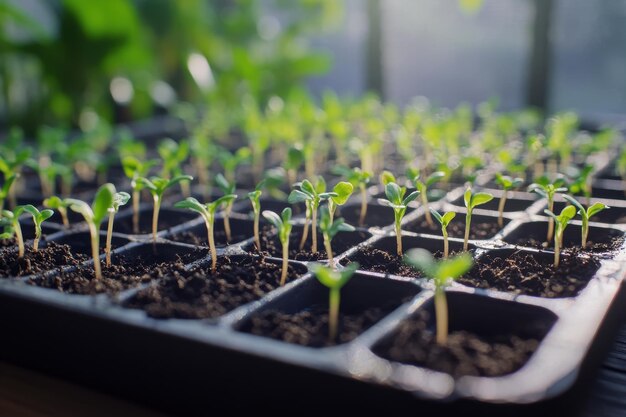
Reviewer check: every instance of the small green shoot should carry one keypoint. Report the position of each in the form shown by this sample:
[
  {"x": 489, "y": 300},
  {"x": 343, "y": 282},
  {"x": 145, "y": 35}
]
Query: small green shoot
[
  {"x": 283, "y": 225},
  {"x": 60, "y": 205},
  {"x": 119, "y": 199},
  {"x": 594, "y": 209},
  {"x": 255, "y": 199},
  {"x": 582, "y": 183},
  {"x": 134, "y": 169},
  {"x": 422, "y": 186},
  {"x": 398, "y": 202},
  {"x": 507, "y": 184},
  {"x": 174, "y": 154},
  {"x": 561, "y": 222},
  {"x": 334, "y": 280},
  {"x": 441, "y": 272},
  {"x": 9, "y": 221},
  {"x": 330, "y": 228},
  {"x": 548, "y": 190},
  {"x": 343, "y": 190},
  {"x": 471, "y": 201},
  {"x": 5, "y": 190},
  {"x": 312, "y": 196},
  {"x": 444, "y": 220},
  {"x": 228, "y": 188},
  {"x": 360, "y": 179},
  {"x": 38, "y": 218}
]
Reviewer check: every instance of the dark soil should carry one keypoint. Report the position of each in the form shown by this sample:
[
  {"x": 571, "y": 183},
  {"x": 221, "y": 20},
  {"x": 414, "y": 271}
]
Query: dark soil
[
  {"x": 531, "y": 274},
  {"x": 200, "y": 294},
  {"x": 167, "y": 220},
  {"x": 310, "y": 327},
  {"x": 479, "y": 229},
  {"x": 377, "y": 260},
  {"x": 466, "y": 353},
  {"x": 534, "y": 241},
  {"x": 193, "y": 238},
  {"x": 47, "y": 258}
]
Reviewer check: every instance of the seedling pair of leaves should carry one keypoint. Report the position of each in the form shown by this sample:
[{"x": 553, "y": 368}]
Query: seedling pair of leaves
[
  {"x": 548, "y": 189},
  {"x": 423, "y": 185},
  {"x": 255, "y": 199},
  {"x": 507, "y": 184},
  {"x": 10, "y": 222},
  {"x": 134, "y": 168},
  {"x": 228, "y": 188},
  {"x": 397, "y": 200},
  {"x": 561, "y": 221},
  {"x": 472, "y": 200},
  {"x": 585, "y": 215},
  {"x": 283, "y": 225},
  {"x": 330, "y": 227}
]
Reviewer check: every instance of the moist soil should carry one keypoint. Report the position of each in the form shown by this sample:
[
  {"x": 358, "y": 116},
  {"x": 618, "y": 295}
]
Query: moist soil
[
  {"x": 466, "y": 353},
  {"x": 193, "y": 238},
  {"x": 479, "y": 230},
  {"x": 199, "y": 294},
  {"x": 535, "y": 241},
  {"x": 525, "y": 273},
  {"x": 166, "y": 221},
  {"x": 47, "y": 258}
]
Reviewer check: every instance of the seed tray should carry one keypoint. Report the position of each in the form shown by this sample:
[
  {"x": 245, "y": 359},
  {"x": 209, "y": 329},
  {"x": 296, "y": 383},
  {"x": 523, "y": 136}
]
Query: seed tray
[{"x": 172, "y": 364}]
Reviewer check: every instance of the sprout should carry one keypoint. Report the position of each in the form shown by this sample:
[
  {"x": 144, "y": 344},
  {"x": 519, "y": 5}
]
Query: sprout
[
  {"x": 135, "y": 169},
  {"x": 422, "y": 186},
  {"x": 440, "y": 272},
  {"x": 398, "y": 202},
  {"x": 157, "y": 187},
  {"x": 60, "y": 205},
  {"x": 444, "y": 221},
  {"x": 548, "y": 189},
  {"x": 471, "y": 201},
  {"x": 12, "y": 157},
  {"x": 311, "y": 196},
  {"x": 343, "y": 191},
  {"x": 255, "y": 199},
  {"x": 330, "y": 228},
  {"x": 228, "y": 188},
  {"x": 360, "y": 179},
  {"x": 5, "y": 191},
  {"x": 174, "y": 155},
  {"x": 38, "y": 218},
  {"x": 582, "y": 183},
  {"x": 334, "y": 280},
  {"x": 386, "y": 177},
  {"x": 207, "y": 211},
  {"x": 561, "y": 222},
  {"x": 585, "y": 215},
  {"x": 119, "y": 199},
  {"x": 9, "y": 221},
  {"x": 507, "y": 183},
  {"x": 230, "y": 161},
  {"x": 94, "y": 215},
  {"x": 283, "y": 224}
]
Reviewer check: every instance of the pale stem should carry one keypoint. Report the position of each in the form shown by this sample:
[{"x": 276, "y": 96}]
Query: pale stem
[
  {"x": 185, "y": 188},
  {"x": 305, "y": 230},
  {"x": 95, "y": 249},
  {"x": 283, "y": 275},
  {"x": 468, "y": 222},
  {"x": 227, "y": 210},
  {"x": 107, "y": 248},
  {"x": 155, "y": 217},
  {"x": 331, "y": 210},
  {"x": 441, "y": 315},
  {"x": 585, "y": 231},
  {"x": 363, "y": 205},
  {"x": 20, "y": 239},
  {"x": 37, "y": 238},
  {"x": 63, "y": 213},
  {"x": 136, "y": 198},
  {"x": 501, "y": 209},
  {"x": 556, "y": 251},
  {"x": 398, "y": 238},
  {"x": 212, "y": 249},
  {"x": 314, "y": 229},
  {"x": 329, "y": 250},
  {"x": 445, "y": 242},
  {"x": 429, "y": 218},
  {"x": 550, "y": 221},
  {"x": 333, "y": 313},
  {"x": 257, "y": 239}
]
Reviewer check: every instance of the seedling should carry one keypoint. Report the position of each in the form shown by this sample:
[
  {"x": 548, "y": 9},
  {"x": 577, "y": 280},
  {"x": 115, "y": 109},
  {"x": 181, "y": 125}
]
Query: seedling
[
  {"x": 11, "y": 162},
  {"x": 561, "y": 222},
  {"x": 174, "y": 154},
  {"x": 5, "y": 191},
  {"x": 9, "y": 221},
  {"x": 422, "y": 186},
  {"x": 283, "y": 224},
  {"x": 548, "y": 190},
  {"x": 119, "y": 199},
  {"x": 471, "y": 201},
  {"x": 398, "y": 202},
  {"x": 60, "y": 205},
  {"x": 343, "y": 190},
  {"x": 311, "y": 196},
  {"x": 255, "y": 199},
  {"x": 134, "y": 169},
  {"x": 94, "y": 215},
  {"x": 207, "y": 211},
  {"x": 330, "y": 228},
  {"x": 334, "y": 280},
  {"x": 585, "y": 215},
  {"x": 507, "y": 183},
  {"x": 582, "y": 183},
  {"x": 441, "y": 272},
  {"x": 157, "y": 186},
  {"x": 360, "y": 179},
  {"x": 444, "y": 221},
  {"x": 228, "y": 188},
  {"x": 38, "y": 218}
]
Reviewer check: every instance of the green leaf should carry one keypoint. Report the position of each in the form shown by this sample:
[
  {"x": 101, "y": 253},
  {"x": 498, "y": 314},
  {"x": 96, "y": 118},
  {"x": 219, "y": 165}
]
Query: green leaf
[
  {"x": 343, "y": 190},
  {"x": 434, "y": 177},
  {"x": 595, "y": 209},
  {"x": 480, "y": 198},
  {"x": 413, "y": 174},
  {"x": 331, "y": 278},
  {"x": 539, "y": 189},
  {"x": 567, "y": 213},
  {"x": 191, "y": 204},
  {"x": 273, "y": 218},
  {"x": 386, "y": 178},
  {"x": 32, "y": 210},
  {"x": 447, "y": 218},
  {"x": 223, "y": 184},
  {"x": 286, "y": 215},
  {"x": 54, "y": 202},
  {"x": 294, "y": 159},
  {"x": 549, "y": 213},
  {"x": 308, "y": 188},
  {"x": 393, "y": 193},
  {"x": 410, "y": 197},
  {"x": 225, "y": 199},
  {"x": 177, "y": 179},
  {"x": 422, "y": 260},
  {"x": 120, "y": 199},
  {"x": 436, "y": 215},
  {"x": 453, "y": 268},
  {"x": 467, "y": 198},
  {"x": 297, "y": 196},
  {"x": 80, "y": 207},
  {"x": 576, "y": 203},
  {"x": 102, "y": 201},
  {"x": 45, "y": 215}
]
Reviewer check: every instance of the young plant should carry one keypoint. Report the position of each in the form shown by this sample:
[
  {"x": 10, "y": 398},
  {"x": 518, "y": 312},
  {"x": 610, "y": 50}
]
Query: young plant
[
  {"x": 283, "y": 224},
  {"x": 441, "y": 272},
  {"x": 398, "y": 202},
  {"x": 228, "y": 188},
  {"x": 311, "y": 196},
  {"x": 585, "y": 215},
  {"x": 444, "y": 221},
  {"x": 548, "y": 190},
  {"x": 11, "y": 162},
  {"x": 422, "y": 186},
  {"x": 174, "y": 154},
  {"x": 5, "y": 190},
  {"x": 255, "y": 199},
  {"x": 207, "y": 211},
  {"x": 330, "y": 228},
  {"x": 9, "y": 221},
  {"x": 94, "y": 215},
  {"x": 119, "y": 199},
  {"x": 471, "y": 201},
  {"x": 582, "y": 183},
  {"x": 334, "y": 280},
  {"x": 561, "y": 222},
  {"x": 343, "y": 191},
  {"x": 38, "y": 218},
  {"x": 506, "y": 183},
  {"x": 60, "y": 205},
  {"x": 157, "y": 186},
  {"x": 361, "y": 179},
  {"x": 135, "y": 169}
]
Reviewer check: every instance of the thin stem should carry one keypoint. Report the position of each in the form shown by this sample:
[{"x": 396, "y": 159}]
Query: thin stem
[
  {"x": 363, "y": 205},
  {"x": 329, "y": 250},
  {"x": 227, "y": 210},
  {"x": 550, "y": 221},
  {"x": 332, "y": 207},
  {"x": 501, "y": 209},
  {"x": 398, "y": 237},
  {"x": 210, "y": 223},
  {"x": 468, "y": 222},
  {"x": 429, "y": 218},
  {"x": 314, "y": 228},
  {"x": 557, "y": 250},
  {"x": 95, "y": 250},
  {"x": 257, "y": 239},
  {"x": 445, "y": 242},
  {"x": 63, "y": 213},
  {"x": 155, "y": 217},
  {"x": 441, "y": 313},
  {"x": 136, "y": 198},
  {"x": 185, "y": 189},
  {"x": 107, "y": 248},
  {"x": 20, "y": 239},
  {"x": 333, "y": 313},
  {"x": 585, "y": 231},
  {"x": 305, "y": 231},
  {"x": 283, "y": 274},
  {"x": 37, "y": 238}
]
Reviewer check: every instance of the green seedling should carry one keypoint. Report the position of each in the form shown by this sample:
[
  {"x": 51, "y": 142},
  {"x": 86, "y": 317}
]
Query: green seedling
[
  {"x": 471, "y": 201},
  {"x": 343, "y": 190},
  {"x": 398, "y": 202},
  {"x": 9, "y": 221},
  {"x": 330, "y": 228},
  {"x": 548, "y": 190},
  {"x": 334, "y": 280},
  {"x": 94, "y": 216},
  {"x": 360, "y": 179},
  {"x": 119, "y": 199},
  {"x": 283, "y": 225},
  {"x": 507, "y": 184},
  {"x": 12, "y": 158},
  {"x": 255, "y": 199},
  {"x": 422, "y": 186},
  {"x": 174, "y": 154},
  {"x": 444, "y": 220},
  {"x": 230, "y": 161},
  {"x": 134, "y": 169},
  {"x": 585, "y": 215},
  {"x": 60, "y": 205},
  {"x": 561, "y": 222},
  {"x": 38, "y": 218},
  {"x": 207, "y": 211},
  {"x": 228, "y": 188},
  {"x": 157, "y": 186},
  {"x": 311, "y": 196},
  {"x": 582, "y": 183},
  {"x": 5, "y": 191},
  {"x": 441, "y": 272},
  {"x": 386, "y": 177}
]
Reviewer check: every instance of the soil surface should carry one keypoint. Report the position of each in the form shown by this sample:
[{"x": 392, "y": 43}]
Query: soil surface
[
  {"x": 479, "y": 229},
  {"x": 167, "y": 220},
  {"x": 533, "y": 240},
  {"x": 466, "y": 353},
  {"x": 200, "y": 294},
  {"x": 201, "y": 239},
  {"x": 530, "y": 274},
  {"x": 47, "y": 258}
]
